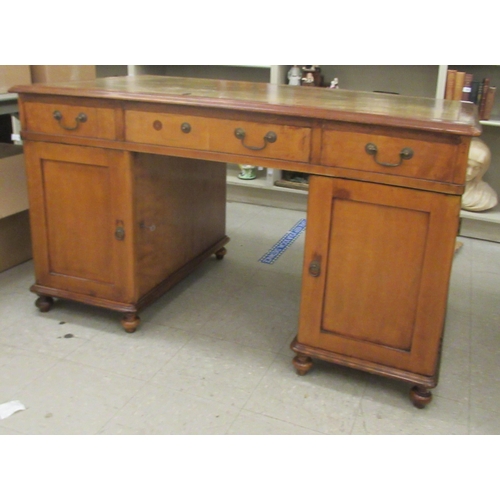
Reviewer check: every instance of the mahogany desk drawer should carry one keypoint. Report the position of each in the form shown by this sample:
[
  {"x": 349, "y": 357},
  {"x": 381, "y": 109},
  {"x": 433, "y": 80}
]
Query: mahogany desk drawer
[
  {"x": 408, "y": 155},
  {"x": 70, "y": 120},
  {"x": 266, "y": 140}
]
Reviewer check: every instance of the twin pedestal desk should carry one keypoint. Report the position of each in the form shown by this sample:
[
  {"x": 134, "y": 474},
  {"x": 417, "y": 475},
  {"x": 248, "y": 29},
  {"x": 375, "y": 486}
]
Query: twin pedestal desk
[{"x": 127, "y": 189}]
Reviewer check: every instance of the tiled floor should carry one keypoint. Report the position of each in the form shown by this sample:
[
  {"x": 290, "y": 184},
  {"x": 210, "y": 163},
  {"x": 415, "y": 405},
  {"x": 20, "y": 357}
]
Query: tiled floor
[{"x": 212, "y": 356}]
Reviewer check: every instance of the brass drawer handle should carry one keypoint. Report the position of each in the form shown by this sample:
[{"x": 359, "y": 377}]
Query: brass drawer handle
[
  {"x": 268, "y": 138},
  {"x": 81, "y": 118},
  {"x": 405, "y": 154}
]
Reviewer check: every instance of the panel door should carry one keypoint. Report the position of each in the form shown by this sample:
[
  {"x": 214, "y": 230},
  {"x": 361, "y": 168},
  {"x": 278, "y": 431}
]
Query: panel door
[
  {"x": 81, "y": 218},
  {"x": 376, "y": 272}
]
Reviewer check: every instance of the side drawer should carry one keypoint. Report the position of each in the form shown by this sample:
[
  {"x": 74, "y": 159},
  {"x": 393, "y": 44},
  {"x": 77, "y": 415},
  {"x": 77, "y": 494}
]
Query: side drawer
[
  {"x": 433, "y": 157},
  {"x": 70, "y": 120}
]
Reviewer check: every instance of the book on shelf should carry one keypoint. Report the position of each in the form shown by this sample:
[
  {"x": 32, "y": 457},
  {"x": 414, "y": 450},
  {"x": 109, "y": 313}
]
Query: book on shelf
[
  {"x": 489, "y": 101},
  {"x": 457, "y": 85},
  {"x": 482, "y": 103},
  {"x": 450, "y": 84},
  {"x": 461, "y": 86},
  {"x": 467, "y": 88}
]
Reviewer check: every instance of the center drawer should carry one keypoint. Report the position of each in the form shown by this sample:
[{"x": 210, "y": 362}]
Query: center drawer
[
  {"x": 242, "y": 137},
  {"x": 401, "y": 153}
]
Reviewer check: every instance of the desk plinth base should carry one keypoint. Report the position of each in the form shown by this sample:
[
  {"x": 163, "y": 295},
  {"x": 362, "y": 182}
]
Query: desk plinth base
[
  {"x": 420, "y": 394},
  {"x": 130, "y": 320}
]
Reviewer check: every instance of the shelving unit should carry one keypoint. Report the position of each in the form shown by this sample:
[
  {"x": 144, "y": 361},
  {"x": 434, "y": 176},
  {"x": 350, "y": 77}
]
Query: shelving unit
[{"x": 485, "y": 225}]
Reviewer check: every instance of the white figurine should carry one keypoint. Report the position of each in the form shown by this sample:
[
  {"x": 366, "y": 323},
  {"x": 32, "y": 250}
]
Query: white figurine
[
  {"x": 334, "y": 84},
  {"x": 478, "y": 195},
  {"x": 294, "y": 76}
]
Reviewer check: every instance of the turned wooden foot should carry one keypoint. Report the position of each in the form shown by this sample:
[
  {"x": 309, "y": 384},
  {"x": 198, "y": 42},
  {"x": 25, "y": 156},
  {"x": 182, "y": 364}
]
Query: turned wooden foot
[
  {"x": 220, "y": 253},
  {"x": 420, "y": 396},
  {"x": 302, "y": 364},
  {"x": 130, "y": 322},
  {"x": 44, "y": 303}
]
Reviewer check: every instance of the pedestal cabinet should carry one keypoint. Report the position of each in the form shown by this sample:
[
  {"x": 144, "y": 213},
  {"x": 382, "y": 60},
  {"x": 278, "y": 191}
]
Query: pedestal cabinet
[
  {"x": 116, "y": 229},
  {"x": 375, "y": 279}
]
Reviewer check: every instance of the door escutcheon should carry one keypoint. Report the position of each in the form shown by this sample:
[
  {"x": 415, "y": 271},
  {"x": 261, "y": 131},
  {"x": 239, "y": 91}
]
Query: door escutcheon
[
  {"x": 315, "y": 268},
  {"x": 120, "y": 233}
]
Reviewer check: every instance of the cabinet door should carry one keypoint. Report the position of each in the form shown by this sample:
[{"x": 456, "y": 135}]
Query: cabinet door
[
  {"x": 80, "y": 209},
  {"x": 376, "y": 272}
]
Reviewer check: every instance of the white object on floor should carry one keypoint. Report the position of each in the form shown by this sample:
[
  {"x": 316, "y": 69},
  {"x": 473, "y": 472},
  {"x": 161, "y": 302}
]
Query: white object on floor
[{"x": 7, "y": 409}]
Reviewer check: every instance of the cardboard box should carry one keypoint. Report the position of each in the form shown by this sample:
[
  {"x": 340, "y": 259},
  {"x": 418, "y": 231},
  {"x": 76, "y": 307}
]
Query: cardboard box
[
  {"x": 15, "y": 235},
  {"x": 15, "y": 240},
  {"x": 54, "y": 74},
  {"x": 13, "y": 188},
  {"x": 13, "y": 75}
]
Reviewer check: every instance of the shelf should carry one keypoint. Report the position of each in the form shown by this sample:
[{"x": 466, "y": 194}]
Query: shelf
[
  {"x": 262, "y": 181},
  {"x": 8, "y": 104},
  {"x": 492, "y": 215},
  {"x": 262, "y": 191},
  {"x": 491, "y": 123},
  {"x": 262, "y": 184},
  {"x": 481, "y": 225}
]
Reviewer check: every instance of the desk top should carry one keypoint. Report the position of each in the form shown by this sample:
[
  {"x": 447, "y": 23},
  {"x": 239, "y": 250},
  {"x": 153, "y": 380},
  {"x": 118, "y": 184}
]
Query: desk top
[{"x": 420, "y": 113}]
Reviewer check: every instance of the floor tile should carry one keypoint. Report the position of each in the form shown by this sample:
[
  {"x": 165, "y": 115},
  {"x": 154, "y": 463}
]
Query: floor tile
[
  {"x": 71, "y": 398},
  {"x": 484, "y": 422},
  {"x": 485, "y": 379},
  {"x": 19, "y": 367},
  {"x": 161, "y": 410},
  {"x": 325, "y": 400},
  {"x": 139, "y": 355},
  {"x": 383, "y": 416},
  {"x": 265, "y": 327},
  {"x": 454, "y": 374},
  {"x": 184, "y": 309},
  {"x": 12, "y": 304},
  {"x": 216, "y": 370},
  {"x": 4, "y": 431},
  {"x": 248, "y": 423},
  {"x": 47, "y": 335},
  {"x": 17, "y": 279},
  {"x": 241, "y": 213}
]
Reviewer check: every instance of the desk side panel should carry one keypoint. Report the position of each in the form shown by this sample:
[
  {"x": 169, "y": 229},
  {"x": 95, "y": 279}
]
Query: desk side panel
[{"x": 180, "y": 212}]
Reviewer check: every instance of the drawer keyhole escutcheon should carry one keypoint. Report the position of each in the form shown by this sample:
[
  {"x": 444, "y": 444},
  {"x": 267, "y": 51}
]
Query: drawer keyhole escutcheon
[
  {"x": 405, "y": 154},
  {"x": 314, "y": 268},
  {"x": 120, "y": 233},
  {"x": 81, "y": 118},
  {"x": 270, "y": 137}
]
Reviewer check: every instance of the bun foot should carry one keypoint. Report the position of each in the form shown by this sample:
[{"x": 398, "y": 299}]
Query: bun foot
[
  {"x": 44, "y": 303},
  {"x": 420, "y": 396},
  {"x": 302, "y": 364},
  {"x": 220, "y": 253},
  {"x": 130, "y": 322}
]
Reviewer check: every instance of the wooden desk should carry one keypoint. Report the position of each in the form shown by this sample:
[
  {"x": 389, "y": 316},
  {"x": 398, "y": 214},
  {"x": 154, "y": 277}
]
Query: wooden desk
[{"x": 126, "y": 182}]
